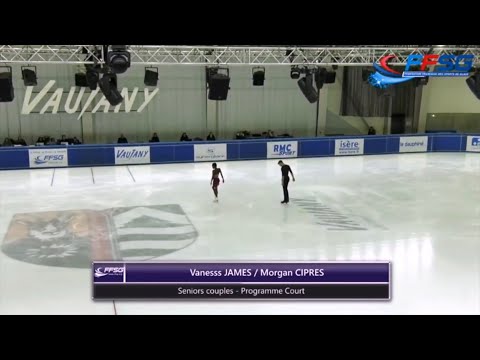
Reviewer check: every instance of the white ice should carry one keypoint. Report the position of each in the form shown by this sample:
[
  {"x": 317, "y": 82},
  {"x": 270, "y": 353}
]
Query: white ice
[{"x": 421, "y": 210}]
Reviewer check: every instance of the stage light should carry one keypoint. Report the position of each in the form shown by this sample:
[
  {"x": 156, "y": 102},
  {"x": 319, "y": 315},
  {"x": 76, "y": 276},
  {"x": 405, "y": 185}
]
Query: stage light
[
  {"x": 118, "y": 59},
  {"x": 7, "y": 93},
  {"x": 108, "y": 86},
  {"x": 92, "y": 78},
  {"x": 320, "y": 77},
  {"x": 218, "y": 83},
  {"x": 306, "y": 86},
  {"x": 151, "y": 76},
  {"x": 29, "y": 75},
  {"x": 295, "y": 72},
  {"x": 258, "y": 76},
  {"x": 81, "y": 80},
  {"x": 473, "y": 83}
]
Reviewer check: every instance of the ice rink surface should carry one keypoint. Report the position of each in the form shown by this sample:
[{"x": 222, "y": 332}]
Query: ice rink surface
[{"x": 419, "y": 211}]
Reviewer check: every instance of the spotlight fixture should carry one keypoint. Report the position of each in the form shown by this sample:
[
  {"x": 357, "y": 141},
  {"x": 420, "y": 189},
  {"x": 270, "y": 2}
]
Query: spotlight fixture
[
  {"x": 81, "y": 80},
  {"x": 473, "y": 83},
  {"x": 29, "y": 75},
  {"x": 258, "y": 76},
  {"x": 209, "y": 72},
  {"x": 330, "y": 77},
  {"x": 306, "y": 86},
  {"x": 151, "y": 76},
  {"x": 108, "y": 86},
  {"x": 92, "y": 78},
  {"x": 7, "y": 93},
  {"x": 218, "y": 84},
  {"x": 295, "y": 72},
  {"x": 118, "y": 59},
  {"x": 320, "y": 77}
]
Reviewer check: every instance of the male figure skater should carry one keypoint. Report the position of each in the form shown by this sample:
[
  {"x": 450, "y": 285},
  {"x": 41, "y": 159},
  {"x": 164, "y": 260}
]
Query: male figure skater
[
  {"x": 215, "y": 181},
  {"x": 285, "y": 180}
]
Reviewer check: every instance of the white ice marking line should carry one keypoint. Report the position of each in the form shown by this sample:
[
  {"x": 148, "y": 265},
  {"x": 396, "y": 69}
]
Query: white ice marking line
[{"x": 154, "y": 244}]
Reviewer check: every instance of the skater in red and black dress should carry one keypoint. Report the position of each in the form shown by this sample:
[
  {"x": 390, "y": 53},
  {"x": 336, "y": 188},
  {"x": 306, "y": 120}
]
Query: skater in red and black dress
[{"x": 215, "y": 181}]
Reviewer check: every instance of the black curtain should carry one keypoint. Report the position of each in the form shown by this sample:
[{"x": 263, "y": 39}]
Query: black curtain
[{"x": 359, "y": 98}]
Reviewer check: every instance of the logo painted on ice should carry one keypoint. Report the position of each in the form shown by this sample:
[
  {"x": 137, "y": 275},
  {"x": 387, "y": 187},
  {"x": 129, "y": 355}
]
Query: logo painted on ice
[
  {"x": 132, "y": 154},
  {"x": 283, "y": 150},
  {"x": 73, "y": 238},
  {"x": 111, "y": 271}
]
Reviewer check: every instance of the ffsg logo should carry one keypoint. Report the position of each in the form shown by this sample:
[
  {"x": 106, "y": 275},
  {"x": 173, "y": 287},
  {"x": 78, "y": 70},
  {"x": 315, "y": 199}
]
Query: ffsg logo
[
  {"x": 115, "y": 271},
  {"x": 53, "y": 157}
]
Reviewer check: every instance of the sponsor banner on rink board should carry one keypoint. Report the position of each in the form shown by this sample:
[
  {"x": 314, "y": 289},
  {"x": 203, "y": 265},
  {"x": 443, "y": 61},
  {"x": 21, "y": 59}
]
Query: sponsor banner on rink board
[
  {"x": 48, "y": 157},
  {"x": 349, "y": 147},
  {"x": 473, "y": 143},
  {"x": 284, "y": 149},
  {"x": 210, "y": 152},
  {"x": 126, "y": 155},
  {"x": 413, "y": 144}
]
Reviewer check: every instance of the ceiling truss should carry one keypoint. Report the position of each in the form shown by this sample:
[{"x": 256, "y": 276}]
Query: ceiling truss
[{"x": 227, "y": 55}]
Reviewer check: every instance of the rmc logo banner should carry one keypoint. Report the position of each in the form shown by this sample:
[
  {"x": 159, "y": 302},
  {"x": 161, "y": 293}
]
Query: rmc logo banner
[{"x": 284, "y": 149}]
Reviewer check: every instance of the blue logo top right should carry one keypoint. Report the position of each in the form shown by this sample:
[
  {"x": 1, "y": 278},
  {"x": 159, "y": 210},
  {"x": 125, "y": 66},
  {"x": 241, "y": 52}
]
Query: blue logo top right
[{"x": 416, "y": 67}]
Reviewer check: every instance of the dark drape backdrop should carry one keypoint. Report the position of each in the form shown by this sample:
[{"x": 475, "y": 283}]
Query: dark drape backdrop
[{"x": 359, "y": 98}]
